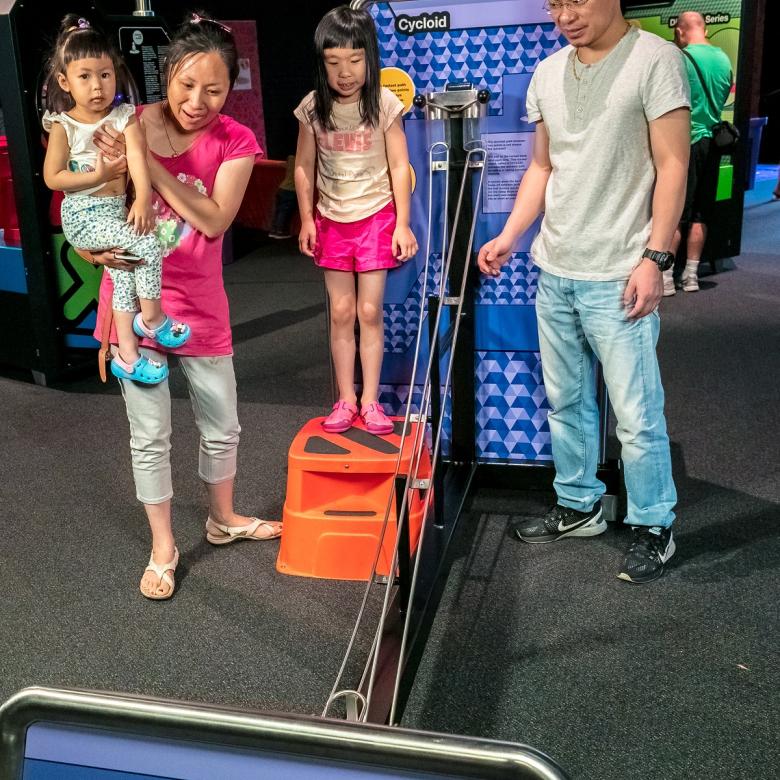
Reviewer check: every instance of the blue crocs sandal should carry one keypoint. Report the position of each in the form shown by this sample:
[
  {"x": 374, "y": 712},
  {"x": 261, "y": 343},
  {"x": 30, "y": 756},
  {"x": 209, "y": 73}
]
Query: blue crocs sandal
[
  {"x": 170, "y": 334},
  {"x": 144, "y": 370}
]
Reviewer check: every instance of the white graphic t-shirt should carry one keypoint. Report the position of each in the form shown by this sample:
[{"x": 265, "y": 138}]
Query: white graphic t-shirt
[{"x": 353, "y": 180}]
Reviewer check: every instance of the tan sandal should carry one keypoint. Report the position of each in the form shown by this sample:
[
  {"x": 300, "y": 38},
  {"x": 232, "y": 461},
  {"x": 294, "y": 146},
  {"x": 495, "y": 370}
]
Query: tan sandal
[
  {"x": 161, "y": 571},
  {"x": 217, "y": 533}
]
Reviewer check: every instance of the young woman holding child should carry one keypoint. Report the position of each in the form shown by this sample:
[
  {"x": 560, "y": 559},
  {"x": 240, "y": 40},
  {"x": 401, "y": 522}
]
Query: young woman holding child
[{"x": 200, "y": 162}]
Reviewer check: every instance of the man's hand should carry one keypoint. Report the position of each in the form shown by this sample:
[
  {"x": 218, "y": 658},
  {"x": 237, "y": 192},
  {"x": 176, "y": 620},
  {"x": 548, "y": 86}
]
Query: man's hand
[
  {"x": 307, "y": 238},
  {"x": 644, "y": 290},
  {"x": 495, "y": 254}
]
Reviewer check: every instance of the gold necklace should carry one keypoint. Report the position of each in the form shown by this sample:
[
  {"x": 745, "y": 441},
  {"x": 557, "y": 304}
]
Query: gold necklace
[
  {"x": 576, "y": 55},
  {"x": 165, "y": 127}
]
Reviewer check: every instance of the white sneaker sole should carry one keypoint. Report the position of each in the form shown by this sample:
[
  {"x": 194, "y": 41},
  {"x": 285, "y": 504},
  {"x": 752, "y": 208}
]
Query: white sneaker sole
[{"x": 595, "y": 526}]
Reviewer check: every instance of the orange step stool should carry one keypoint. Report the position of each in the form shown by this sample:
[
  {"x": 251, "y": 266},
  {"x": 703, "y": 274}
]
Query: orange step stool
[{"x": 337, "y": 490}]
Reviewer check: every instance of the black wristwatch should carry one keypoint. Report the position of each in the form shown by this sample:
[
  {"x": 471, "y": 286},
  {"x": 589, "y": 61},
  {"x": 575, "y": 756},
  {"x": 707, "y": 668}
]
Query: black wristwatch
[{"x": 664, "y": 260}]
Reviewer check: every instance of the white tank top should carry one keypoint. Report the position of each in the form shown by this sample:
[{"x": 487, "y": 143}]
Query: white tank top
[{"x": 83, "y": 152}]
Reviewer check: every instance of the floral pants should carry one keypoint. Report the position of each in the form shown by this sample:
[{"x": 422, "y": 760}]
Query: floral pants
[{"x": 96, "y": 223}]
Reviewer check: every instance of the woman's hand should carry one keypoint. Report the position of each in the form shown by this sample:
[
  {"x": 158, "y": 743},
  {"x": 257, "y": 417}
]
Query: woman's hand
[
  {"x": 108, "y": 257},
  {"x": 141, "y": 216},
  {"x": 404, "y": 243},
  {"x": 108, "y": 169},
  {"x": 112, "y": 144},
  {"x": 307, "y": 238}
]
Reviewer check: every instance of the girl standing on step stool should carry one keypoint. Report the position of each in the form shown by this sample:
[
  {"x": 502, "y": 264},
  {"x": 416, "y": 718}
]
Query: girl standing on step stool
[
  {"x": 350, "y": 130},
  {"x": 81, "y": 97}
]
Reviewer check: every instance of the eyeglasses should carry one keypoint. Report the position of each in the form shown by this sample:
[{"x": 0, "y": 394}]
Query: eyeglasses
[{"x": 553, "y": 7}]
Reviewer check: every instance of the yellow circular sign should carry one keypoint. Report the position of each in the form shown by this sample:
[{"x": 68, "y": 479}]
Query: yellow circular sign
[{"x": 400, "y": 83}]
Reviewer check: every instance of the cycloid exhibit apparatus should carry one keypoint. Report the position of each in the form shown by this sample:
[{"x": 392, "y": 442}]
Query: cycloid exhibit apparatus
[
  {"x": 462, "y": 75},
  {"x": 406, "y": 599}
]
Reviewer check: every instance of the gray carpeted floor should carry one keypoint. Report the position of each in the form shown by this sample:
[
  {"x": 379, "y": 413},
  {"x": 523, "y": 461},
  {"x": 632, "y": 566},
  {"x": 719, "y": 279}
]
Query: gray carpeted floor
[
  {"x": 75, "y": 541},
  {"x": 677, "y": 679}
]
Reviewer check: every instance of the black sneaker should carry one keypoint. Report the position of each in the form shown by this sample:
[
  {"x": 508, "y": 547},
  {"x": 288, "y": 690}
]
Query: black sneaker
[
  {"x": 649, "y": 550},
  {"x": 560, "y": 522}
]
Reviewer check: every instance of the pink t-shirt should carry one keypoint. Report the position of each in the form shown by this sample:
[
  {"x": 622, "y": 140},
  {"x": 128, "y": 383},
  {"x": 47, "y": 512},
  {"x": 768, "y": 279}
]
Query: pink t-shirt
[{"x": 192, "y": 287}]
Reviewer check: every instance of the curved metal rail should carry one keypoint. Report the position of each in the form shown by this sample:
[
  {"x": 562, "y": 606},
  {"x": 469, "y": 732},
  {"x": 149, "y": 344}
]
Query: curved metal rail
[{"x": 355, "y": 697}]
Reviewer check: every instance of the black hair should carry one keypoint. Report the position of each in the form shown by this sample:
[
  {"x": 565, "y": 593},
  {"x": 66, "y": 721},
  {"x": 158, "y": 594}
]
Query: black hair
[
  {"x": 200, "y": 34},
  {"x": 346, "y": 28},
  {"x": 77, "y": 39}
]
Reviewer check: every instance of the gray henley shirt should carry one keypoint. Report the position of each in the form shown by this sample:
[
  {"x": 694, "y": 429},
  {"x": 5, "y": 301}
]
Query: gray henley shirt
[{"x": 598, "y": 203}]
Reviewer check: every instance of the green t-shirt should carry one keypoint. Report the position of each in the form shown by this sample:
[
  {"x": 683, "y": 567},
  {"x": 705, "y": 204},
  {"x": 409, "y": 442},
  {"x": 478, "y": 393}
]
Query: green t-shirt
[{"x": 715, "y": 66}]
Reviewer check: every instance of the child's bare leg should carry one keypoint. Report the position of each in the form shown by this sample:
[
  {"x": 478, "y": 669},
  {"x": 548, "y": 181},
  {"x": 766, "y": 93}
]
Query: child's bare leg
[
  {"x": 371, "y": 292},
  {"x": 341, "y": 291},
  {"x": 151, "y": 312},
  {"x": 128, "y": 341}
]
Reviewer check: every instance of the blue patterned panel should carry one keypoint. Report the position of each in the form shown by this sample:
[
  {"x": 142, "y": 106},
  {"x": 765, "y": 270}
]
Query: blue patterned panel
[
  {"x": 401, "y": 319},
  {"x": 511, "y": 407},
  {"x": 394, "y": 397},
  {"x": 515, "y": 285},
  {"x": 482, "y": 56}
]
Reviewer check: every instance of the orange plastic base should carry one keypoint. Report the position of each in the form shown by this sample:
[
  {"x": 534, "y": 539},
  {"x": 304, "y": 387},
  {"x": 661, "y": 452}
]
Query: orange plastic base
[{"x": 338, "y": 485}]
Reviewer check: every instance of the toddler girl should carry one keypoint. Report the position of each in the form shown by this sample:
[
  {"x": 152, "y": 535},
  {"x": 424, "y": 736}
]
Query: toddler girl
[{"x": 81, "y": 97}]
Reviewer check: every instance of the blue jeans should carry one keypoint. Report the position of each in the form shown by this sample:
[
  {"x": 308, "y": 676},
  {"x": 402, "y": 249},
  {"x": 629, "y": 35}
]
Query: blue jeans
[{"x": 581, "y": 323}]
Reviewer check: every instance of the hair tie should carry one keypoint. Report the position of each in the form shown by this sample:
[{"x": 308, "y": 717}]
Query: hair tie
[
  {"x": 197, "y": 19},
  {"x": 83, "y": 24}
]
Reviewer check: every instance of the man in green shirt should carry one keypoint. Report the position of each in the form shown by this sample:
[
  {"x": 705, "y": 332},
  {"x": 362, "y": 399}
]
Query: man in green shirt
[{"x": 709, "y": 92}]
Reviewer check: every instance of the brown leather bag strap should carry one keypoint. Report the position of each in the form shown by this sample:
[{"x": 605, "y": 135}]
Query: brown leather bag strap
[{"x": 104, "y": 355}]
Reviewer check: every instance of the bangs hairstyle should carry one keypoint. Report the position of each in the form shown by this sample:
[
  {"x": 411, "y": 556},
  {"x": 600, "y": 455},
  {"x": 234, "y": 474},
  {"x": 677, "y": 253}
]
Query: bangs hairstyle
[
  {"x": 76, "y": 40},
  {"x": 346, "y": 28},
  {"x": 200, "y": 34}
]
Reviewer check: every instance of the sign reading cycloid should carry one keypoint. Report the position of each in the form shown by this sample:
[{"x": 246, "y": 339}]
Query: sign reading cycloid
[{"x": 433, "y": 22}]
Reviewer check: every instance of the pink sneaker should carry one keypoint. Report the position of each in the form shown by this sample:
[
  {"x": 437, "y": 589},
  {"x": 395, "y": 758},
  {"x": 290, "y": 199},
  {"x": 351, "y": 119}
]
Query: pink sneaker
[
  {"x": 376, "y": 420},
  {"x": 341, "y": 418}
]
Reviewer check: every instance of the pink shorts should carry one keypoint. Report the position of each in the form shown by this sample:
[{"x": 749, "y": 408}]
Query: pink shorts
[{"x": 365, "y": 245}]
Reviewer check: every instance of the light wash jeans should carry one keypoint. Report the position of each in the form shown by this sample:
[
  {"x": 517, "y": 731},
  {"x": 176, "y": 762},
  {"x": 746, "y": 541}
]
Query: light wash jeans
[
  {"x": 581, "y": 323},
  {"x": 212, "y": 386}
]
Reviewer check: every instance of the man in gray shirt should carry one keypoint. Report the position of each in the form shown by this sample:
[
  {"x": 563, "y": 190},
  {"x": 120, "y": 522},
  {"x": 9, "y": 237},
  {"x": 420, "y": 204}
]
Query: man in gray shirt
[{"x": 609, "y": 167}]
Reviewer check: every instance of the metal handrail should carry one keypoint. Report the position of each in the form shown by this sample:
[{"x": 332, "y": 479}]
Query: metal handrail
[{"x": 304, "y": 736}]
